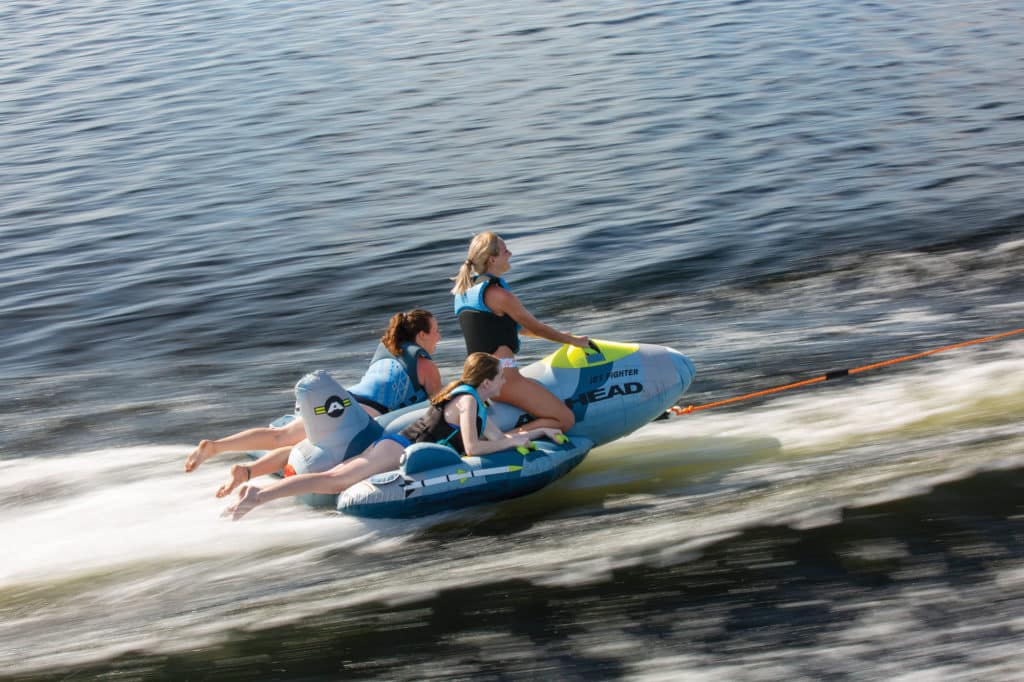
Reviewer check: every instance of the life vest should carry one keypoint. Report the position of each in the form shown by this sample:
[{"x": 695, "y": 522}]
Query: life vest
[
  {"x": 432, "y": 427},
  {"x": 483, "y": 330},
  {"x": 392, "y": 382}
]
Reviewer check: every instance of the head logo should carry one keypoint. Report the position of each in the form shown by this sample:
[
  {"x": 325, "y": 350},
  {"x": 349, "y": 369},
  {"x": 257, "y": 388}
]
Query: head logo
[
  {"x": 628, "y": 388},
  {"x": 333, "y": 406}
]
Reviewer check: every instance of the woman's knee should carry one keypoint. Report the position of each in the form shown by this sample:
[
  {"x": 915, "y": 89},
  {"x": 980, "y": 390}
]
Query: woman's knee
[
  {"x": 542, "y": 403},
  {"x": 290, "y": 434},
  {"x": 568, "y": 419}
]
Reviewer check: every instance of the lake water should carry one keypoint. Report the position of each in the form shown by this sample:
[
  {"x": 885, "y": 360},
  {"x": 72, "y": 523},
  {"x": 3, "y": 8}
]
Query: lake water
[{"x": 201, "y": 201}]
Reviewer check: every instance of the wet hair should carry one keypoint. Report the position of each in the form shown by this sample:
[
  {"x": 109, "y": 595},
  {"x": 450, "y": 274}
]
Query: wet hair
[
  {"x": 483, "y": 246},
  {"x": 404, "y": 327},
  {"x": 478, "y": 368}
]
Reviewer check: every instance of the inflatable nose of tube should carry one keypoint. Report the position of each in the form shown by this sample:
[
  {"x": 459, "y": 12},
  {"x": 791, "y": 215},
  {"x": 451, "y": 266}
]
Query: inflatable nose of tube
[
  {"x": 336, "y": 428},
  {"x": 329, "y": 412},
  {"x": 684, "y": 368}
]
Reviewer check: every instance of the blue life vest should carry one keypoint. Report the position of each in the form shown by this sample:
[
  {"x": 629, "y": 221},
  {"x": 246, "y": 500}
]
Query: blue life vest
[
  {"x": 483, "y": 330},
  {"x": 392, "y": 382},
  {"x": 481, "y": 406}
]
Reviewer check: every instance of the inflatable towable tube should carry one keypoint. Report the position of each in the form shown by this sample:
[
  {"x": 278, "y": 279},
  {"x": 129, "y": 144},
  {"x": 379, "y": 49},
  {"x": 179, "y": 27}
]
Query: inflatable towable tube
[
  {"x": 434, "y": 478},
  {"x": 612, "y": 388}
]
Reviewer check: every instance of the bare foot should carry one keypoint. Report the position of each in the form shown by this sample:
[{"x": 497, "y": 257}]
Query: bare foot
[
  {"x": 204, "y": 451},
  {"x": 239, "y": 474},
  {"x": 248, "y": 498}
]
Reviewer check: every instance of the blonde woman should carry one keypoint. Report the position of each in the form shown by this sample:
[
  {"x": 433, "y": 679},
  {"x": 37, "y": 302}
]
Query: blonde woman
[
  {"x": 457, "y": 417},
  {"x": 492, "y": 317}
]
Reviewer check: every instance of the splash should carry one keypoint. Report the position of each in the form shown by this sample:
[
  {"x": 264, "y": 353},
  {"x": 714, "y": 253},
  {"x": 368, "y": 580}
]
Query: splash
[{"x": 111, "y": 511}]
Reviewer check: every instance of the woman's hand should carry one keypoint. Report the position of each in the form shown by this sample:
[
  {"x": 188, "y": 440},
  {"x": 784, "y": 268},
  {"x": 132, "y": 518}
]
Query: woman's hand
[
  {"x": 544, "y": 432},
  {"x": 518, "y": 438},
  {"x": 579, "y": 341}
]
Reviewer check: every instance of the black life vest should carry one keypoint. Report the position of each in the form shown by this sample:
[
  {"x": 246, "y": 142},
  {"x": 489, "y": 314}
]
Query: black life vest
[
  {"x": 432, "y": 427},
  {"x": 483, "y": 330}
]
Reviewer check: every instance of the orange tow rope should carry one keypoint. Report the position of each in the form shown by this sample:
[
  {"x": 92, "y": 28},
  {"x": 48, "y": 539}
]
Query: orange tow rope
[{"x": 837, "y": 374}]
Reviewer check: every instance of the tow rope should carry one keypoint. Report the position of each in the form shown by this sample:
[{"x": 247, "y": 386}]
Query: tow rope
[{"x": 836, "y": 374}]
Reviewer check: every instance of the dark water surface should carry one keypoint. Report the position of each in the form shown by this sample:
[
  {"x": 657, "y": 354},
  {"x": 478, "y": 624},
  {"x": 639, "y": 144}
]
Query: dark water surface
[{"x": 199, "y": 202}]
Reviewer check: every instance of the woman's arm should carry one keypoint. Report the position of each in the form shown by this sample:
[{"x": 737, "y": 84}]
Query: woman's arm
[
  {"x": 429, "y": 375},
  {"x": 503, "y": 301},
  {"x": 493, "y": 439},
  {"x": 543, "y": 432}
]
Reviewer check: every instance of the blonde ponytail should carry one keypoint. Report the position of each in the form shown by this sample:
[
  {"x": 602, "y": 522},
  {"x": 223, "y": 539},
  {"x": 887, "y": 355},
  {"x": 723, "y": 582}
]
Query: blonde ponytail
[
  {"x": 483, "y": 246},
  {"x": 464, "y": 280}
]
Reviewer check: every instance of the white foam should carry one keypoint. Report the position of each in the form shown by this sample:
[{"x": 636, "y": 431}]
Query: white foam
[
  {"x": 140, "y": 532},
  {"x": 940, "y": 394},
  {"x": 132, "y": 506}
]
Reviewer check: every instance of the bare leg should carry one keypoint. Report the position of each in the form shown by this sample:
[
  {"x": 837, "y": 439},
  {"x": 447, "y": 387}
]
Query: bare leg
[
  {"x": 239, "y": 474},
  {"x": 248, "y": 498},
  {"x": 243, "y": 473},
  {"x": 528, "y": 395},
  {"x": 263, "y": 438},
  {"x": 382, "y": 456},
  {"x": 204, "y": 451}
]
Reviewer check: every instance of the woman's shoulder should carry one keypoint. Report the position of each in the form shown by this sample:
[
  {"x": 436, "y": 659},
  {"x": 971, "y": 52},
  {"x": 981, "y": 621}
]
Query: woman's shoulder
[
  {"x": 458, "y": 404},
  {"x": 426, "y": 364},
  {"x": 499, "y": 292},
  {"x": 463, "y": 400}
]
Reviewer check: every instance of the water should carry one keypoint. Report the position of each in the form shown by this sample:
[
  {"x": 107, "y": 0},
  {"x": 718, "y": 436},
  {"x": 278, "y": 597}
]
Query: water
[{"x": 199, "y": 202}]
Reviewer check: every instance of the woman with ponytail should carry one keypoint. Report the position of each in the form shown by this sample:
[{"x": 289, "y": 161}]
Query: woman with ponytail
[
  {"x": 457, "y": 417},
  {"x": 401, "y": 373},
  {"x": 491, "y": 317}
]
